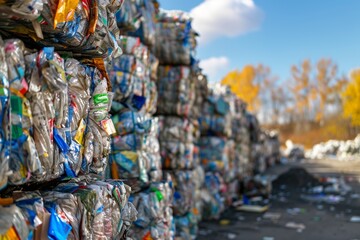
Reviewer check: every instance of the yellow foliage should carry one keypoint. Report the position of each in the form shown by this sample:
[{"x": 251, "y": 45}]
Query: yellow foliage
[
  {"x": 242, "y": 83},
  {"x": 351, "y": 98}
]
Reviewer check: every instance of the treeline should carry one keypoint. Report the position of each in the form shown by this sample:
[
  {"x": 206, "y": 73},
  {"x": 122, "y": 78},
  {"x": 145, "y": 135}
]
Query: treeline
[{"x": 316, "y": 102}]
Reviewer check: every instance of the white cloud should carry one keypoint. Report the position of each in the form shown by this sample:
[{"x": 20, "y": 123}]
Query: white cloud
[
  {"x": 213, "y": 66},
  {"x": 229, "y": 18}
]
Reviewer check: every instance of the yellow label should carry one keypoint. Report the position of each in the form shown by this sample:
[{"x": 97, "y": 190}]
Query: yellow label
[
  {"x": 9, "y": 235},
  {"x": 133, "y": 156},
  {"x": 65, "y": 11},
  {"x": 79, "y": 136}
]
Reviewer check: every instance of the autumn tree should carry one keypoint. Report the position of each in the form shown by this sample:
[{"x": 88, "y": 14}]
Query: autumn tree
[
  {"x": 302, "y": 90},
  {"x": 351, "y": 98},
  {"x": 242, "y": 84},
  {"x": 328, "y": 88},
  {"x": 267, "y": 83},
  {"x": 279, "y": 100}
]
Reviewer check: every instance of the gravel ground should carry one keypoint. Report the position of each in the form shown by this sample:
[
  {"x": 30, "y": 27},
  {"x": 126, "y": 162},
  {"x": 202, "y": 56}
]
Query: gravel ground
[{"x": 321, "y": 221}]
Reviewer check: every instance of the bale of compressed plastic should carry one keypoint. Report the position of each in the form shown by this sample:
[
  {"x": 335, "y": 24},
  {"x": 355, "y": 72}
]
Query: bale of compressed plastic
[
  {"x": 177, "y": 138},
  {"x": 151, "y": 149},
  {"x": 127, "y": 159},
  {"x": 184, "y": 195},
  {"x": 4, "y": 99},
  {"x": 146, "y": 29},
  {"x": 201, "y": 94},
  {"x": 176, "y": 40},
  {"x": 214, "y": 153},
  {"x": 155, "y": 217},
  {"x": 213, "y": 202},
  {"x": 175, "y": 91},
  {"x": 215, "y": 119},
  {"x": 86, "y": 29},
  {"x": 132, "y": 76},
  {"x": 78, "y": 209},
  {"x": 56, "y": 123}
]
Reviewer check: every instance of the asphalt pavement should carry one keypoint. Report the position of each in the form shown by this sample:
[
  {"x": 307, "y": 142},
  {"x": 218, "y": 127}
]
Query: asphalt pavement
[{"x": 292, "y": 217}]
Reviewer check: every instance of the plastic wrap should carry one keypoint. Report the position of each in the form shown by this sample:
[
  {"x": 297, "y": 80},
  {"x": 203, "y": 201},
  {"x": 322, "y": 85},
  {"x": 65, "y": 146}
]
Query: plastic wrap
[
  {"x": 147, "y": 29},
  {"x": 176, "y": 39},
  {"x": 155, "y": 219},
  {"x": 4, "y": 101},
  {"x": 55, "y": 121},
  {"x": 131, "y": 76},
  {"x": 213, "y": 202},
  {"x": 176, "y": 91},
  {"x": 152, "y": 151},
  {"x": 214, "y": 153},
  {"x": 13, "y": 223},
  {"x": 86, "y": 28},
  {"x": 81, "y": 209},
  {"x": 184, "y": 195}
]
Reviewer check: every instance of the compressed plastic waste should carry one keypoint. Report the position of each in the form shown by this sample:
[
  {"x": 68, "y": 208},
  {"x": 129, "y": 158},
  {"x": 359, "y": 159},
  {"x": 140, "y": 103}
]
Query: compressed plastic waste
[
  {"x": 294, "y": 152},
  {"x": 339, "y": 150},
  {"x": 56, "y": 108},
  {"x": 176, "y": 141},
  {"x": 132, "y": 75},
  {"x": 78, "y": 209},
  {"x": 155, "y": 217},
  {"x": 135, "y": 147},
  {"x": 214, "y": 153},
  {"x": 176, "y": 41},
  {"x": 148, "y": 19},
  {"x": 175, "y": 90},
  {"x": 213, "y": 202},
  {"x": 87, "y": 29},
  {"x": 215, "y": 119},
  {"x": 186, "y": 226},
  {"x": 184, "y": 192},
  {"x": 152, "y": 150}
]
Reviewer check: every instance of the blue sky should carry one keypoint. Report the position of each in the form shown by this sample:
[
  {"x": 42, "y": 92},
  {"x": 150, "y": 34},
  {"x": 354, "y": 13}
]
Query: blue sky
[{"x": 276, "y": 33}]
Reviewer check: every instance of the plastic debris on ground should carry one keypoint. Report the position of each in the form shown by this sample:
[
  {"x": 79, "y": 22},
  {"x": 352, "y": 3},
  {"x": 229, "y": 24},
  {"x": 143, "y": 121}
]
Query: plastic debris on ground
[
  {"x": 298, "y": 226},
  {"x": 330, "y": 190},
  {"x": 294, "y": 152},
  {"x": 336, "y": 150}
]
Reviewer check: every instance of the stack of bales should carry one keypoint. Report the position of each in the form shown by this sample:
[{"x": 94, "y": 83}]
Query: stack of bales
[
  {"x": 216, "y": 152},
  {"x": 136, "y": 148},
  {"x": 177, "y": 79},
  {"x": 55, "y": 122}
]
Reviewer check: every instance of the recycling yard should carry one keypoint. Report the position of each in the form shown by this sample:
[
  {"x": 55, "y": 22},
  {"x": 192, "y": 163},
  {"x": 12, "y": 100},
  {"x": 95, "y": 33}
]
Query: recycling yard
[
  {"x": 179, "y": 120},
  {"x": 292, "y": 217}
]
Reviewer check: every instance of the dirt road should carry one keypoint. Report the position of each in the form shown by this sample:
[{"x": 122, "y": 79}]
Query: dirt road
[{"x": 321, "y": 221}]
